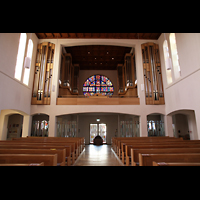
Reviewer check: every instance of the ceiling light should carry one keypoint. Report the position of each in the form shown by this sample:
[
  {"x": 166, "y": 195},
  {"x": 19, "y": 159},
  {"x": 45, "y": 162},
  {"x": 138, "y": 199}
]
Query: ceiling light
[
  {"x": 98, "y": 120},
  {"x": 88, "y": 52},
  {"x": 107, "y": 52},
  {"x": 95, "y": 58},
  {"x": 112, "y": 58}
]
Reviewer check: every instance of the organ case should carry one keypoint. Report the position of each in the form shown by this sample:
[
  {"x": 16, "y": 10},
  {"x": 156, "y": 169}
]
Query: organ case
[
  {"x": 126, "y": 76},
  {"x": 43, "y": 74},
  {"x": 69, "y": 76},
  {"x": 152, "y": 74}
]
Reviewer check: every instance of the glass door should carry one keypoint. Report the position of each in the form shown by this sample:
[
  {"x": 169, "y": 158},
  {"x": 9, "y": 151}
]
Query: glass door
[
  {"x": 97, "y": 129},
  {"x": 102, "y": 132},
  {"x": 93, "y": 132}
]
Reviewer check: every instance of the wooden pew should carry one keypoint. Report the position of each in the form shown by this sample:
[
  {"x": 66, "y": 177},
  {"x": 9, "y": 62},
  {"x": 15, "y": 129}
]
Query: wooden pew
[
  {"x": 60, "y": 153},
  {"x": 159, "y": 145},
  {"x": 40, "y": 146},
  {"x": 121, "y": 143},
  {"x": 48, "y": 159},
  {"x": 147, "y": 159},
  {"x": 45, "y": 140},
  {"x": 32, "y": 164},
  {"x": 70, "y": 147},
  {"x": 135, "y": 153},
  {"x": 174, "y": 164},
  {"x": 79, "y": 141},
  {"x": 116, "y": 140}
]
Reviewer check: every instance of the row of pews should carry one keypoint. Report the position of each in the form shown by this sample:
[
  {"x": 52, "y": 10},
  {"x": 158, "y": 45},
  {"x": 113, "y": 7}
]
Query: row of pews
[
  {"x": 41, "y": 151},
  {"x": 157, "y": 151}
]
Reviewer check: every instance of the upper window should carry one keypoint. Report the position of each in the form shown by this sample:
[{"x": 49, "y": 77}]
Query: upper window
[
  {"x": 174, "y": 53},
  {"x": 20, "y": 56},
  {"x": 168, "y": 64},
  {"x": 27, "y": 63},
  {"x": 98, "y": 84}
]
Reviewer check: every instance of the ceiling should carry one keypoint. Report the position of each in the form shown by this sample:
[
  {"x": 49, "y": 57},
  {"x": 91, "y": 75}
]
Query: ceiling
[
  {"x": 98, "y": 57},
  {"x": 151, "y": 36}
]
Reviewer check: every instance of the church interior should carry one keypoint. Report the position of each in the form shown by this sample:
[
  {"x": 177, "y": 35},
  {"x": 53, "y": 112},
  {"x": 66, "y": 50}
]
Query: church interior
[{"x": 122, "y": 87}]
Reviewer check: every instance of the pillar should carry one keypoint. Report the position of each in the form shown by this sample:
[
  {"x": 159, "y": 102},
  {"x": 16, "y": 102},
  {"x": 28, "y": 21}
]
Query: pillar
[
  {"x": 3, "y": 126},
  {"x": 143, "y": 126},
  {"x": 52, "y": 126},
  {"x": 168, "y": 125},
  {"x": 192, "y": 126},
  {"x": 27, "y": 123}
]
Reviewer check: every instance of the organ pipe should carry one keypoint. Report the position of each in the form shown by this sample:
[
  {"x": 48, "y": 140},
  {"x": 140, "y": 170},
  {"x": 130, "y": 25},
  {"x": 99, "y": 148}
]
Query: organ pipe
[
  {"x": 43, "y": 73},
  {"x": 152, "y": 74}
]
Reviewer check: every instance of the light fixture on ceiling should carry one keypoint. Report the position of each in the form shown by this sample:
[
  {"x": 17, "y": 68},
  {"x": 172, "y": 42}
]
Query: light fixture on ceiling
[
  {"x": 98, "y": 120},
  {"x": 113, "y": 58}
]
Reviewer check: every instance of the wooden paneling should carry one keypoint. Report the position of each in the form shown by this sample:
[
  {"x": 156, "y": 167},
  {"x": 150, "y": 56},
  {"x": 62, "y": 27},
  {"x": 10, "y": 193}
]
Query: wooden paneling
[{"x": 98, "y": 101}]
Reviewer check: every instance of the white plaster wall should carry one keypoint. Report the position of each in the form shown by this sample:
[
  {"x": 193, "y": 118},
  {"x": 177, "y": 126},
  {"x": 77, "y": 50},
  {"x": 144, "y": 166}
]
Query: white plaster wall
[
  {"x": 183, "y": 93},
  {"x": 13, "y": 93}
]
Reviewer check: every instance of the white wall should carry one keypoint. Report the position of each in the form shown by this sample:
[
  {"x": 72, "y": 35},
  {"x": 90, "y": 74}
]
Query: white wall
[
  {"x": 184, "y": 93},
  {"x": 13, "y": 93}
]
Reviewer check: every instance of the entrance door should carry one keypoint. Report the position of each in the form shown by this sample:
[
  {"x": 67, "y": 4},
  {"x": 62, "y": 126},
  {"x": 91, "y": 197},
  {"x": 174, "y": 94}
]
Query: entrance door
[
  {"x": 97, "y": 129},
  {"x": 93, "y": 132},
  {"x": 102, "y": 132}
]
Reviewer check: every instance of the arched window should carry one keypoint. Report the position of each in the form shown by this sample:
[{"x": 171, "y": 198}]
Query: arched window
[
  {"x": 174, "y": 53},
  {"x": 27, "y": 63},
  {"x": 168, "y": 64},
  {"x": 20, "y": 56},
  {"x": 98, "y": 84}
]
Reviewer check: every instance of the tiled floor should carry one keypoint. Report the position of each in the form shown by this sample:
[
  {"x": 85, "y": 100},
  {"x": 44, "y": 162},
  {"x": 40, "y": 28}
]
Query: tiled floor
[{"x": 97, "y": 156}]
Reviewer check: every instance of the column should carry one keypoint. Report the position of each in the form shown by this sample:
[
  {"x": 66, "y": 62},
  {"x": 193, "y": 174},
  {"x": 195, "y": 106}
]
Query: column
[
  {"x": 56, "y": 73},
  {"x": 3, "y": 126},
  {"x": 140, "y": 74},
  {"x": 143, "y": 126},
  {"x": 168, "y": 125},
  {"x": 192, "y": 126},
  {"x": 52, "y": 126},
  {"x": 27, "y": 123}
]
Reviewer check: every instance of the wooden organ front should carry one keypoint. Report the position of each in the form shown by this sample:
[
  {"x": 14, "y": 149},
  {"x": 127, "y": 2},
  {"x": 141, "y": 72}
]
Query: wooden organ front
[
  {"x": 43, "y": 74},
  {"x": 69, "y": 76},
  {"x": 152, "y": 74},
  {"x": 127, "y": 76}
]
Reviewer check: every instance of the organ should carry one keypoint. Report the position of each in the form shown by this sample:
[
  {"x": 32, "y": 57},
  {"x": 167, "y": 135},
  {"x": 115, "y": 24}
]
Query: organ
[
  {"x": 69, "y": 76},
  {"x": 152, "y": 74},
  {"x": 43, "y": 74},
  {"x": 127, "y": 76}
]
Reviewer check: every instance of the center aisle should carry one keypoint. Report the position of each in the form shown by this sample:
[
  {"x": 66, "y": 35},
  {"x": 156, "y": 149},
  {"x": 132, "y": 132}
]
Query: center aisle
[{"x": 97, "y": 156}]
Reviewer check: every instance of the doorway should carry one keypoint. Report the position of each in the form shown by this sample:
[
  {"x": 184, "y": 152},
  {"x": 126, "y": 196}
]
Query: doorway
[{"x": 98, "y": 129}]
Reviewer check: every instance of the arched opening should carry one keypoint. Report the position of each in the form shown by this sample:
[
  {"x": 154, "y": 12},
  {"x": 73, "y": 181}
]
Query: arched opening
[
  {"x": 15, "y": 125},
  {"x": 155, "y": 125},
  {"x": 40, "y": 125},
  {"x": 184, "y": 124}
]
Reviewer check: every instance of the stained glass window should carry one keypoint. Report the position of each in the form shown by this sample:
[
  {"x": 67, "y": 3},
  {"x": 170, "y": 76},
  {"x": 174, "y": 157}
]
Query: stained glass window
[{"x": 98, "y": 84}]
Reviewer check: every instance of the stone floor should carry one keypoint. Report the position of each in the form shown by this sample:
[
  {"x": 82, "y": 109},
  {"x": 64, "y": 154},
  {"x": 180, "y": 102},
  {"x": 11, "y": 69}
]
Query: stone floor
[{"x": 98, "y": 156}]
